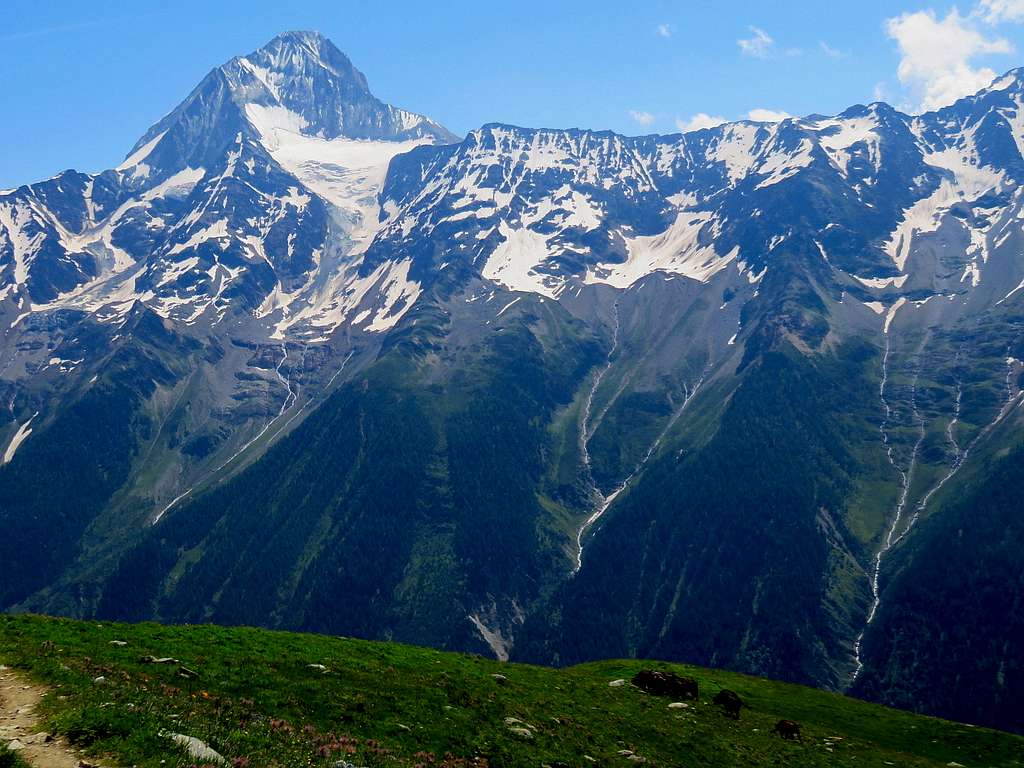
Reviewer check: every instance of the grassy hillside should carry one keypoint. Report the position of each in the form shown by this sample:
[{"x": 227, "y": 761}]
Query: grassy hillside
[{"x": 257, "y": 700}]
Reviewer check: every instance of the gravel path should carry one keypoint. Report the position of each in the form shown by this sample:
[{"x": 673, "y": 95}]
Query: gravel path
[{"x": 20, "y": 728}]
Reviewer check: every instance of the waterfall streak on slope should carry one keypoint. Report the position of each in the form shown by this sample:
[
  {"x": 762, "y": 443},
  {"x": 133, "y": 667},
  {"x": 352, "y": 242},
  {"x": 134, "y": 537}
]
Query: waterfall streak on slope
[
  {"x": 951, "y": 427},
  {"x": 289, "y": 399},
  {"x": 604, "y": 502},
  {"x": 906, "y": 475},
  {"x": 586, "y": 431},
  {"x": 961, "y": 456},
  {"x": 587, "y": 428},
  {"x": 326, "y": 391}
]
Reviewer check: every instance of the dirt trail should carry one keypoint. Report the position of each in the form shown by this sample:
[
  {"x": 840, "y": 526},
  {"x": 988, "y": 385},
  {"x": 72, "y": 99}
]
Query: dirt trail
[{"x": 19, "y": 725}]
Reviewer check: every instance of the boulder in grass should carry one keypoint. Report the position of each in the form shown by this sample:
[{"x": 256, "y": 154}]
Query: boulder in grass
[
  {"x": 519, "y": 728},
  {"x": 197, "y": 750}
]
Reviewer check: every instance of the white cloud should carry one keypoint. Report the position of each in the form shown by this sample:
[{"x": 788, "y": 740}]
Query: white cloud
[
  {"x": 998, "y": 11},
  {"x": 936, "y": 55},
  {"x": 758, "y": 46},
  {"x": 761, "y": 115},
  {"x": 643, "y": 118},
  {"x": 698, "y": 121},
  {"x": 664, "y": 30},
  {"x": 828, "y": 50}
]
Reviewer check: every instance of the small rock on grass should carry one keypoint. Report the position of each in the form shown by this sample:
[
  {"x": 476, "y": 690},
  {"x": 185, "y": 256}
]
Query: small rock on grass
[
  {"x": 519, "y": 728},
  {"x": 197, "y": 750},
  {"x": 616, "y": 683}
]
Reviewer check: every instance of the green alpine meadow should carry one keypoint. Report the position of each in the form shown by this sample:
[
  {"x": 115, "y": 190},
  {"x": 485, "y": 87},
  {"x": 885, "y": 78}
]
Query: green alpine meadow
[{"x": 262, "y": 698}]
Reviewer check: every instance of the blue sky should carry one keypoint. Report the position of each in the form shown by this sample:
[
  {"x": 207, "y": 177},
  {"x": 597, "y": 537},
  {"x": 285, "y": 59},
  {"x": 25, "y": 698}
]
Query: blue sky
[{"x": 82, "y": 81}]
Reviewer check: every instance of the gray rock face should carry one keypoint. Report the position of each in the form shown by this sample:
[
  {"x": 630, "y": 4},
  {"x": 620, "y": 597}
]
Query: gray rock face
[{"x": 305, "y": 73}]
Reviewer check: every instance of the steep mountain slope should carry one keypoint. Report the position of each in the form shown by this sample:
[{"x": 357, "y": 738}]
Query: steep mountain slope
[
  {"x": 426, "y": 516},
  {"x": 551, "y": 394},
  {"x": 202, "y": 231},
  {"x": 964, "y": 564}
]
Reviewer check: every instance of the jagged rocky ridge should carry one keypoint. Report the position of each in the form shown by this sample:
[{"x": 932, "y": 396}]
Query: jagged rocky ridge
[{"x": 306, "y": 359}]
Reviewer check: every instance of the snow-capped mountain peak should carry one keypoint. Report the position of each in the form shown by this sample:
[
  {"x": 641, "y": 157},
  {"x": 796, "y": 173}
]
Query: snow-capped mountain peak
[
  {"x": 306, "y": 74},
  {"x": 257, "y": 193},
  {"x": 301, "y": 78}
]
